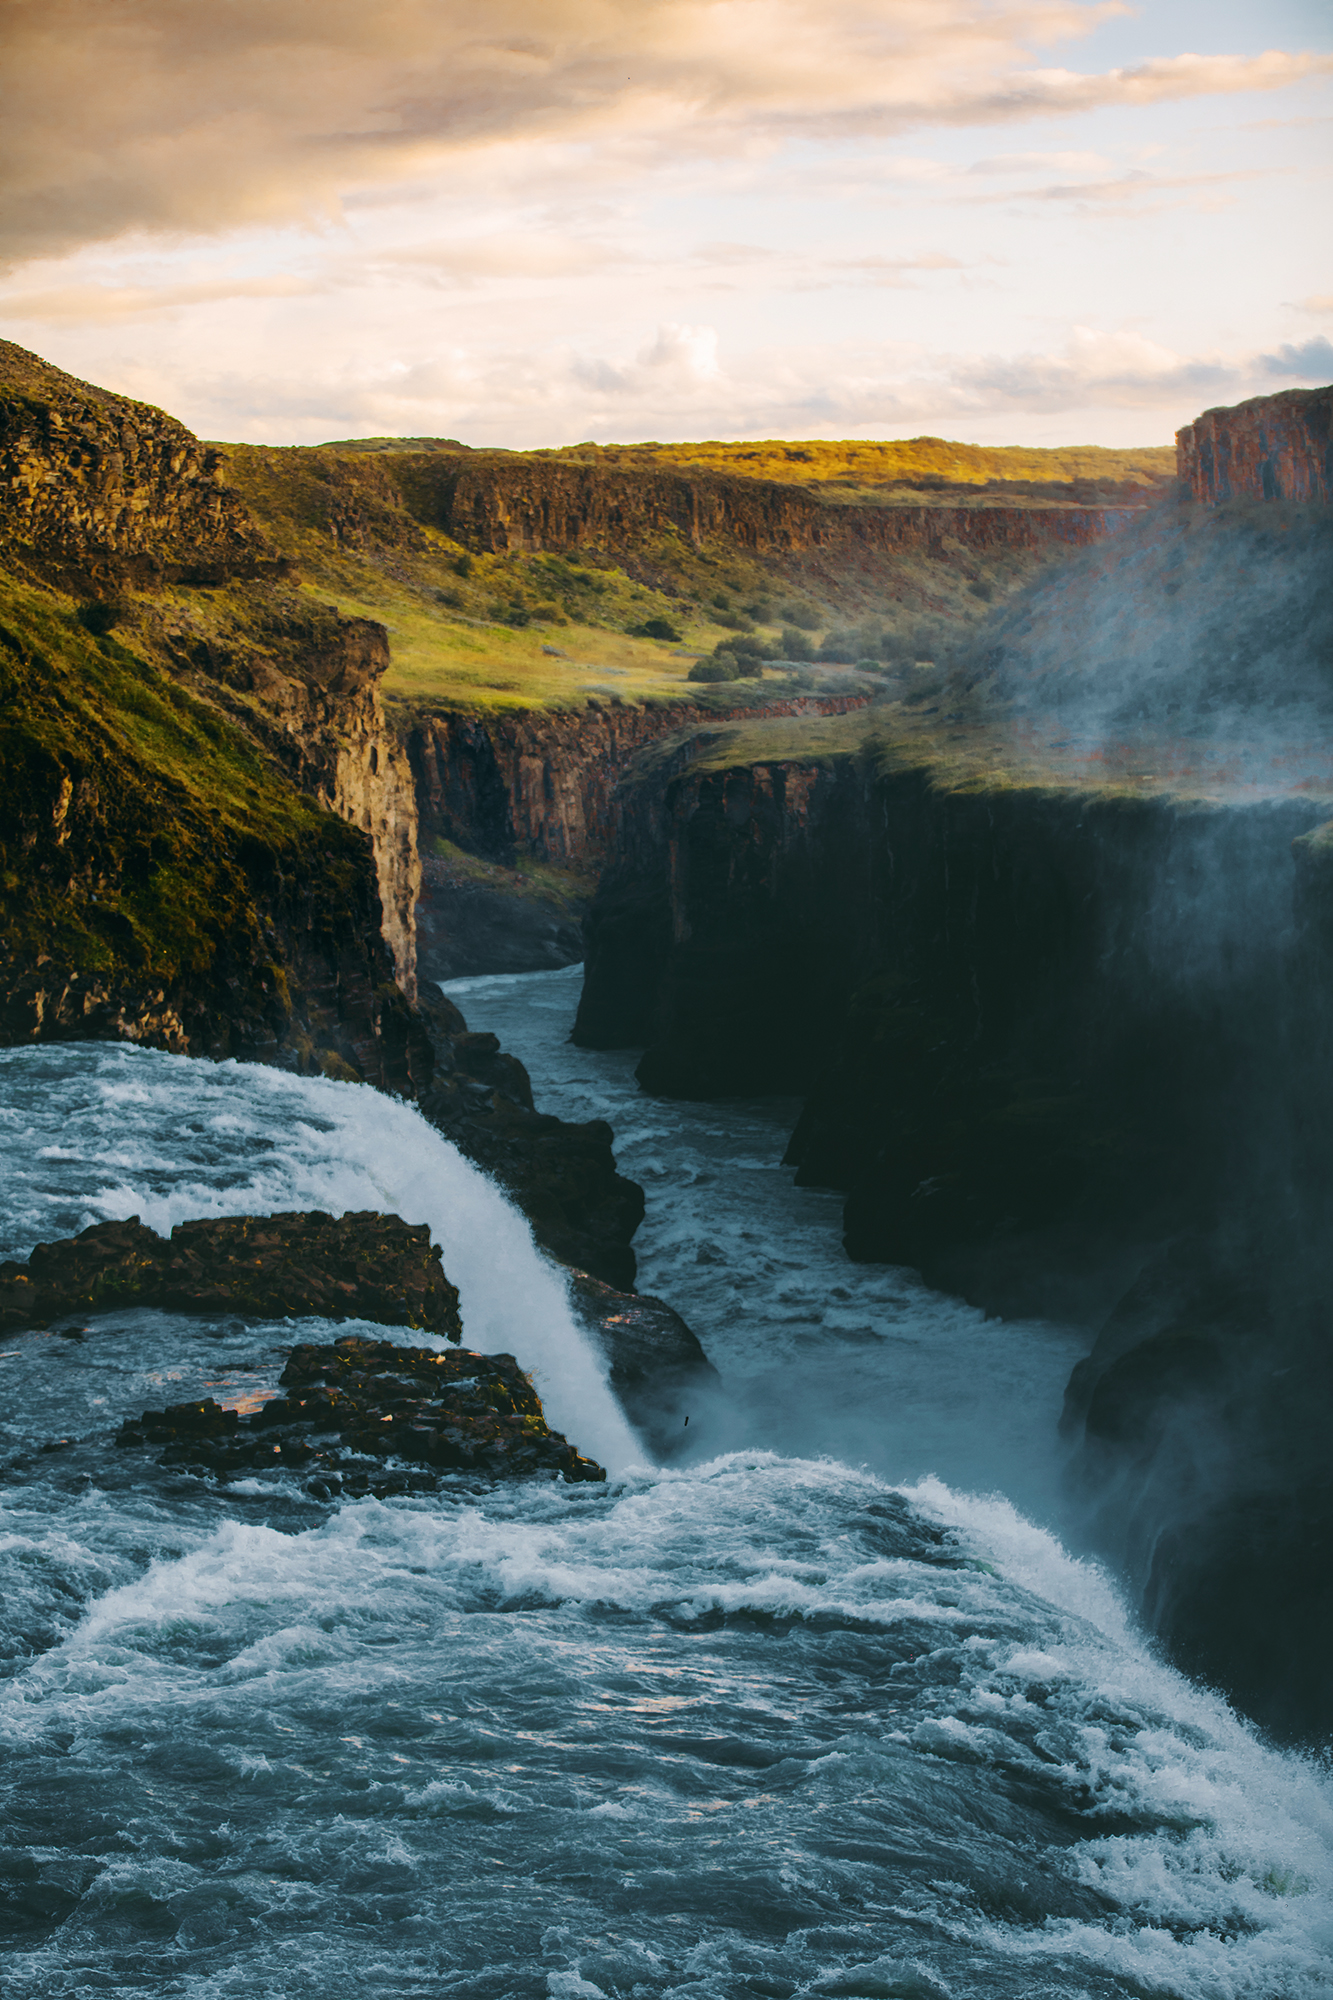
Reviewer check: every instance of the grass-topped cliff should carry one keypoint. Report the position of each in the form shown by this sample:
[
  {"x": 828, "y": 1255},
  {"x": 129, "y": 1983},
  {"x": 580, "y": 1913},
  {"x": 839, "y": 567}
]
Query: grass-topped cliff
[
  {"x": 177, "y": 717},
  {"x": 893, "y": 471},
  {"x": 514, "y": 579}
]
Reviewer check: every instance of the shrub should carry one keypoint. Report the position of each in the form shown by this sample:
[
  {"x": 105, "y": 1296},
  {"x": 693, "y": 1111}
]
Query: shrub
[
  {"x": 801, "y": 615},
  {"x": 462, "y": 565},
  {"x": 655, "y": 628},
  {"x": 719, "y": 668},
  {"x": 735, "y": 621},
  {"x": 795, "y": 645},
  {"x": 840, "y": 647}
]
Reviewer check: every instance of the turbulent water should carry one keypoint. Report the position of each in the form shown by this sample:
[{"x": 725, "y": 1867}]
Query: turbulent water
[{"x": 824, "y": 1708}]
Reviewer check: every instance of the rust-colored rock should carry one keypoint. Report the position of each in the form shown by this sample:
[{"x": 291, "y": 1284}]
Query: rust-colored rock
[{"x": 1271, "y": 448}]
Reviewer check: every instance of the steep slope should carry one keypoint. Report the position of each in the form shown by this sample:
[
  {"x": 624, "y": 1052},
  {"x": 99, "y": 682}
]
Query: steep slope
[{"x": 179, "y": 715}]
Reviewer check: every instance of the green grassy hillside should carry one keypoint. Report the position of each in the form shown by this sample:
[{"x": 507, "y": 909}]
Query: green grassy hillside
[{"x": 628, "y": 615}]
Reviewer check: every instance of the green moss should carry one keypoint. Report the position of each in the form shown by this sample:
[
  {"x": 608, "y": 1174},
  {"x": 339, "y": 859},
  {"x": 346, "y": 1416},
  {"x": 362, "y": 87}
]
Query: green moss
[{"x": 136, "y": 823}]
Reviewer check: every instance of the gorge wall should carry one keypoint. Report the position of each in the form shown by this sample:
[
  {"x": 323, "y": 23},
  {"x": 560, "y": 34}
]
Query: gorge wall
[
  {"x": 167, "y": 685},
  {"x": 1272, "y": 448},
  {"x": 542, "y": 782},
  {"x": 492, "y": 504},
  {"x": 1046, "y": 942}
]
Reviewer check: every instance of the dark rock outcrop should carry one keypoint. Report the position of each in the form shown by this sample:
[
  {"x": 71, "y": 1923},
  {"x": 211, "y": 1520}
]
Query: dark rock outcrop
[
  {"x": 368, "y": 1416},
  {"x": 1201, "y": 1421},
  {"x": 1036, "y": 952},
  {"x": 543, "y": 783},
  {"x": 563, "y": 1176},
  {"x": 99, "y": 493},
  {"x": 358, "y": 1266},
  {"x": 1271, "y": 448},
  {"x": 658, "y": 1369}
]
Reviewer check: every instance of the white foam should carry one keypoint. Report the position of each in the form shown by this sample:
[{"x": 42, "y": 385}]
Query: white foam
[{"x": 267, "y": 1141}]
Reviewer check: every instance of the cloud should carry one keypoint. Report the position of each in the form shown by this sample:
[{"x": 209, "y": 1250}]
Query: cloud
[
  {"x": 103, "y": 305},
  {"x": 1129, "y": 193},
  {"x": 157, "y": 116},
  {"x": 1038, "y": 163},
  {"x": 1319, "y": 303},
  {"x": 1097, "y": 386},
  {"x": 1312, "y": 361}
]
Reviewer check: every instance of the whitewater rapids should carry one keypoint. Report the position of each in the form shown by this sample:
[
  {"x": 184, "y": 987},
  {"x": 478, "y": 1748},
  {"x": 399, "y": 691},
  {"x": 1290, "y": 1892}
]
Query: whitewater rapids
[{"x": 783, "y": 1720}]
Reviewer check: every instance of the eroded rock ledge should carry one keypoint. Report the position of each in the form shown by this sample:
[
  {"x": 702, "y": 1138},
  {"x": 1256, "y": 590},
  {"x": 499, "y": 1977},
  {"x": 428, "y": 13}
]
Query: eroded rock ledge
[
  {"x": 359, "y": 1266},
  {"x": 352, "y": 1408}
]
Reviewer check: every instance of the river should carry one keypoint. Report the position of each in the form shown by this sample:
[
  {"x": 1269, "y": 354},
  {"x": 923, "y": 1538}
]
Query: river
[{"x": 823, "y": 1708}]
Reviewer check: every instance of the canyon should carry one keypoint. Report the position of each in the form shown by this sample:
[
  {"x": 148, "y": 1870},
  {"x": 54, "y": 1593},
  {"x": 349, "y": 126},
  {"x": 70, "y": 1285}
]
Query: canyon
[{"x": 1039, "y": 928}]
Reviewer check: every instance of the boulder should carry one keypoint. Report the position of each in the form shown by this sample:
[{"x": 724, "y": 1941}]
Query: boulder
[
  {"x": 367, "y": 1416},
  {"x": 658, "y": 1369},
  {"x": 562, "y": 1175}
]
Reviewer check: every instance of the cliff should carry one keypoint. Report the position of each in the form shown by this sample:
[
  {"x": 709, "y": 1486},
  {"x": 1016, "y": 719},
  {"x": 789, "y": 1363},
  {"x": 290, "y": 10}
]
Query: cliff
[
  {"x": 98, "y": 492},
  {"x": 162, "y": 880},
  {"x": 169, "y": 682},
  {"x": 500, "y": 501},
  {"x": 1046, "y": 941},
  {"x": 542, "y": 783},
  {"x": 1271, "y": 448}
]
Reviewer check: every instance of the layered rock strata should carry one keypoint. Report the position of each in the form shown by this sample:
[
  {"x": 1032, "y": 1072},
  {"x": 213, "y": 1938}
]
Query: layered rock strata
[
  {"x": 1271, "y": 448},
  {"x": 497, "y": 503}
]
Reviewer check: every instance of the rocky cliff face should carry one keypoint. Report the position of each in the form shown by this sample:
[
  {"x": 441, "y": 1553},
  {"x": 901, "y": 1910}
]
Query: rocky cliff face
[
  {"x": 98, "y": 491},
  {"x": 100, "y": 495},
  {"x": 494, "y": 504},
  {"x": 306, "y": 682},
  {"x": 1050, "y": 953},
  {"x": 542, "y": 782},
  {"x": 1272, "y": 448},
  {"x": 163, "y": 881},
  {"x": 1054, "y": 1046}
]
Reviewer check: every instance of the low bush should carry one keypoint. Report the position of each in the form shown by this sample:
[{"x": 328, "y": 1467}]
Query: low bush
[
  {"x": 655, "y": 628},
  {"x": 795, "y": 645},
  {"x": 718, "y": 668}
]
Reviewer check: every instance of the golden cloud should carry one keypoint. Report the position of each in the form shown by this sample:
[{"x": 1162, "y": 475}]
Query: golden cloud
[{"x": 176, "y": 117}]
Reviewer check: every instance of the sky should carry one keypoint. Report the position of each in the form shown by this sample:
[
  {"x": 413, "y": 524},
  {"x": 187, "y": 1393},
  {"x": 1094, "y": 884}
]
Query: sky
[{"x": 533, "y": 222}]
